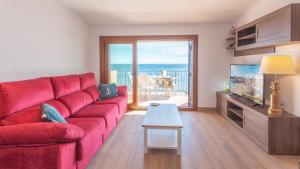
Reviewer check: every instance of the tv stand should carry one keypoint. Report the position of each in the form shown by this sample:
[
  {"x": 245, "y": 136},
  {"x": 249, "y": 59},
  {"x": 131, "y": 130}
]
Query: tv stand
[
  {"x": 257, "y": 105},
  {"x": 274, "y": 134},
  {"x": 232, "y": 94}
]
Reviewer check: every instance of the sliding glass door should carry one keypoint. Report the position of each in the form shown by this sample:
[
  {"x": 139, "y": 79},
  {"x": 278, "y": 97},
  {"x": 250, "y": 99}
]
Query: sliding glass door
[
  {"x": 163, "y": 72},
  {"x": 156, "y": 69},
  {"x": 121, "y": 66}
]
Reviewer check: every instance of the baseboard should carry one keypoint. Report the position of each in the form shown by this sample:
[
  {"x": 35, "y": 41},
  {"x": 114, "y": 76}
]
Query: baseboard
[{"x": 206, "y": 109}]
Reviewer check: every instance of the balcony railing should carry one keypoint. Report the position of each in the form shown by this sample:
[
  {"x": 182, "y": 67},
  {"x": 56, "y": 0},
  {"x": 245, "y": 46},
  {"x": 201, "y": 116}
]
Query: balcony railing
[{"x": 180, "y": 79}]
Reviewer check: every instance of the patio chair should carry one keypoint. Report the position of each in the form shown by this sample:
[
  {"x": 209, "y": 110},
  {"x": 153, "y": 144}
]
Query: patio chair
[
  {"x": 167, "y": 83},
  {"x": 146, "y": 86}
]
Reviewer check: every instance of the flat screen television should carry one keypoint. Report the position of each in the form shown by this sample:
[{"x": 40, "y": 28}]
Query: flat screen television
[{"x": 248, "y": 82}]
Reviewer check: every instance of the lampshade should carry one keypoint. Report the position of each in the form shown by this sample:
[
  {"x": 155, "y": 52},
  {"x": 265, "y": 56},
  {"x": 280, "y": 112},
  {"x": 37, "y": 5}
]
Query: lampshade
[{"x": 279, "y": 65}]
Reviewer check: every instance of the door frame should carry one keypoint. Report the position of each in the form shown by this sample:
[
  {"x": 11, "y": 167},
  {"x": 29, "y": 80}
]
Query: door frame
[{"x": 104, "y": 61}]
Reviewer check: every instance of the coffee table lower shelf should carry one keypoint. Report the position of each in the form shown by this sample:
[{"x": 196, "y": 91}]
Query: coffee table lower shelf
[{"x": 162, "y": 138}]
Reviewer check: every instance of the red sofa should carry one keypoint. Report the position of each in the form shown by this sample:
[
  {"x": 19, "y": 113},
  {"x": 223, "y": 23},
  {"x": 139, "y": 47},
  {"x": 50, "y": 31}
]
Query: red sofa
[{"x": 28, "y": 142}]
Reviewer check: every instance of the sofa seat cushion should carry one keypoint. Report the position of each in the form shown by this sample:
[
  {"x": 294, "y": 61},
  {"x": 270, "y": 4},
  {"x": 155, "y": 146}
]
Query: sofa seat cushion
[
  {"x": 64, "y": 85},
  {"x": 109, "y": 112},
  {"x": 76, "y": 101},
  {"x": 120, "y": 101},
  {"x": 92, "y": 139},
  {"x": 34, "y": 114},
  {"x": 87, "y": 80},
  {"x": 19, "y": 95}
]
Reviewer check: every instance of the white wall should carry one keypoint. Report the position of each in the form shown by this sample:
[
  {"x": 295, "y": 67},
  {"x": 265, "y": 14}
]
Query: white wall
[
  {"x": 290, "y": 85},
  {"x": 41, "y": 38},
  {"x": 214, "y": 59}
]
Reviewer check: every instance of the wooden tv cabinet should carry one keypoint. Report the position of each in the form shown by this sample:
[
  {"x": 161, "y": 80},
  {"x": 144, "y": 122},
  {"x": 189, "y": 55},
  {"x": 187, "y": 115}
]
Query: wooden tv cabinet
[{"x": 274, "y": 134}]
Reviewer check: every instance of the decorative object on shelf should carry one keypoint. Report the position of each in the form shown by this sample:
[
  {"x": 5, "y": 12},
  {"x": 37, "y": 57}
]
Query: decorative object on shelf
[
  {"x": 276, "y": 65},
  {"x": 231, "y": 40},
  {"x": 227, "y": 89}
]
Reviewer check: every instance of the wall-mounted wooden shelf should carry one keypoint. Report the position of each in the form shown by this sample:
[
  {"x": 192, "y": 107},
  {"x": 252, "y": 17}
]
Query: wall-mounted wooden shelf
[
  {"x": 275, "y": 29},
  {"x": 230, "y": 47},
  {"x": 251, "y": 36},
  {"x": 255, "y": 51},
  {"x": 230, "y": 38}
]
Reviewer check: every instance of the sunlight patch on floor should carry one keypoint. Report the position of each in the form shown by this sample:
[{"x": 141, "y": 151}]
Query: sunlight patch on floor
[
  {"x": 136, "y": 113},
  {"x": 180, "y": 99}
]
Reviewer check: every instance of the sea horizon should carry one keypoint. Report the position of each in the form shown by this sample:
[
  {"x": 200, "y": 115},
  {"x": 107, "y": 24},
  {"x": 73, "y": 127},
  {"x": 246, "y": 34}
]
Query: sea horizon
[{"x": 150, "y": 67}]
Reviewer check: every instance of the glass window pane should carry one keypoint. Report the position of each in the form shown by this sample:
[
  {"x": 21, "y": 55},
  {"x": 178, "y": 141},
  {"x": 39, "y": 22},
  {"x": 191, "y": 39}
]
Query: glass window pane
[{"x": 121, "y": 68}]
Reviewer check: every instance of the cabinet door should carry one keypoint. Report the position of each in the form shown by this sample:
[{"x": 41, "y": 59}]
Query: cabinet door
[
  {"x": 256, "y": 126},
  {"x": 275, "y": 29}
]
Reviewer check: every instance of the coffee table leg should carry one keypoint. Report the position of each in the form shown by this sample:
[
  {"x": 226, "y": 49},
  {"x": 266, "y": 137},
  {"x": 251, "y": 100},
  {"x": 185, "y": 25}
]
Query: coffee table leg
[
  {"x": 179, "y": 141},
  {"x": 145, "y": 140}
]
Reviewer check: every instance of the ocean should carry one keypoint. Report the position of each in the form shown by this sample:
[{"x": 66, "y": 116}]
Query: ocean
[
  {"x": 178, "y": 71},
  {"x": 150, "y": 67}
]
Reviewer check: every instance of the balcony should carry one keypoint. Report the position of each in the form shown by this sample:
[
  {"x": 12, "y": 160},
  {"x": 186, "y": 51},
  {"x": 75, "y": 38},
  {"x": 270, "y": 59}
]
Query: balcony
[{"x": 156, "y": 86}]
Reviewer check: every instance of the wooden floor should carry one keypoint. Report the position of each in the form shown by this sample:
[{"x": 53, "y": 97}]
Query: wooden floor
[{"x": 209, "y": 142}]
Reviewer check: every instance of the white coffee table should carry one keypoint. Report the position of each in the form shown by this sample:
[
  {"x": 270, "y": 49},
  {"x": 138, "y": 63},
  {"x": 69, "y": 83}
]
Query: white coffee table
[{"x": 162, "y": 128}]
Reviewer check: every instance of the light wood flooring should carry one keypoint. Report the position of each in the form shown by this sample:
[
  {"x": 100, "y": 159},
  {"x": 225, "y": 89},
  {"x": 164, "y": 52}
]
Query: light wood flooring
[{"x": 209, "y": 141}]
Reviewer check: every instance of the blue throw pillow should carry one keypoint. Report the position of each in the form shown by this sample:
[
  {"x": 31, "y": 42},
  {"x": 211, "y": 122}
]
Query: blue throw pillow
[
  {"x": 51, "y": 114},
  {"x": 108, "y": 91}
]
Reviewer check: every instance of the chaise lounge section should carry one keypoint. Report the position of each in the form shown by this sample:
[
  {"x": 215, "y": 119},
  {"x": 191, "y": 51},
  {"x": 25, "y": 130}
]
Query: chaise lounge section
[{"x": 26, "y": 141}]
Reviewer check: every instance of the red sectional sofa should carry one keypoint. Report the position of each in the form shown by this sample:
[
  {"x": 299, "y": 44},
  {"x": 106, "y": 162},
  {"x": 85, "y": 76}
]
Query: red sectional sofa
[{"x": 28, "y": 142}]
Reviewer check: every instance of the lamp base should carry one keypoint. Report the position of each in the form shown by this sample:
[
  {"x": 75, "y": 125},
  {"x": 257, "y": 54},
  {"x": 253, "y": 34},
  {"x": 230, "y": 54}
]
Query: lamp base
[{"x": 275, "y": 107}]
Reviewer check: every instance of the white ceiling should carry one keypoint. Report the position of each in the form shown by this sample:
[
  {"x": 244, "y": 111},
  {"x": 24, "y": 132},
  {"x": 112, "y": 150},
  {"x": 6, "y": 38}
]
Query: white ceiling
[{"x": 159, "y": 11}]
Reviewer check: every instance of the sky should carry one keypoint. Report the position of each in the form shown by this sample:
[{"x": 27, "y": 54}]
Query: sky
[{"x": 151, "y": 52}]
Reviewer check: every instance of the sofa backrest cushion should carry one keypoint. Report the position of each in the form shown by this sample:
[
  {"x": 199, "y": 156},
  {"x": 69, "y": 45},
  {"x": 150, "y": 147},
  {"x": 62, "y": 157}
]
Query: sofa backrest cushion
[
  {"x": 76, "y": 101},
  {"x": 29, "y": 115},
  {"x": 87, "y": 80},
  {"x": 64, "y": 85},
  {"x": 60, "y": 107},
  {"x": 34, "y": 114},
  {"x": 93, "y": 92},
  {"x": 18, "y": 95}
]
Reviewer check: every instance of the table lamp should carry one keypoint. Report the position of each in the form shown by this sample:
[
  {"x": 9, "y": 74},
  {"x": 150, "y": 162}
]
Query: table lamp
[{"x": 276, "y": 65}]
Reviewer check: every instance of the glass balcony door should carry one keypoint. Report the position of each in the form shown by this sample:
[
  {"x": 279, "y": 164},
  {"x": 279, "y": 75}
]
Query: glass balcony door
[
  {"x": 159, "y": 69},
  {"x": 121, "y": 66},
  {"x": 163, "y": 74}
]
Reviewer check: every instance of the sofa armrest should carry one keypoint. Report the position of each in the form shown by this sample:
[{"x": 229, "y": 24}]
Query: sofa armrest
[
  {"x": 122, "y": 91},
  {"x": 39, "y": 133}
]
